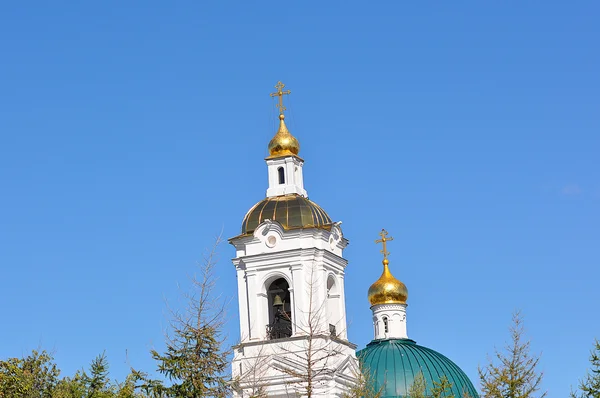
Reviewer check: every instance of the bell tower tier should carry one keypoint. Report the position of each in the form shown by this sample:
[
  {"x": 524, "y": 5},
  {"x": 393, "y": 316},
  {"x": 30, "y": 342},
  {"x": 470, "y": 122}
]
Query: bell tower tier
[
  {"x": 301, "y": 271},
  {"x": 290, "y": 276},
  {"x": 292, "y": 312},
  {"x": 285, "y": 176}
]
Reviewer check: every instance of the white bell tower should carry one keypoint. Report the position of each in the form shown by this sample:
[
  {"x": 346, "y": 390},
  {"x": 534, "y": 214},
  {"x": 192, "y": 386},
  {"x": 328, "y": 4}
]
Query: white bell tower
[{"x": 290, "y": 275}]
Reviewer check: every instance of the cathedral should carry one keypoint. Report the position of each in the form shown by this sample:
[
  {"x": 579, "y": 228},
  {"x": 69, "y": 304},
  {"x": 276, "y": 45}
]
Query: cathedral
[{"x": 290, "y": 266}]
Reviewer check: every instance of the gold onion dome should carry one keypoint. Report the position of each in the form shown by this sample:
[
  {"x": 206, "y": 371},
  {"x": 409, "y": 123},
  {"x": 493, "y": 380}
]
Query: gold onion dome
[
  {"x": 284, "y": 143},
  {"x": 387, "y": 289}
]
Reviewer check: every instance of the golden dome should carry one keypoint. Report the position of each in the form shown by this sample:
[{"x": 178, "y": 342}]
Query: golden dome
[
  {"x": 284, "y": 143},
  {"x": 387, "y": 289},
  {"x": 291, "y": 211}
]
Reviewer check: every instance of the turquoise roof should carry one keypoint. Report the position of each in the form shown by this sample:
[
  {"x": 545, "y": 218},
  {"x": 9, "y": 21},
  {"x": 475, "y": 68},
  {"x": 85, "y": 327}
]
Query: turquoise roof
[{"x": 394, "y": 363}]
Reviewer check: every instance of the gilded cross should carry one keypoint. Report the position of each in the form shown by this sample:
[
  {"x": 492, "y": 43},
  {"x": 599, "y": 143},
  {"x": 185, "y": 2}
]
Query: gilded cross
[
  {"x": 280, "y": 93},
  {"x": 384, "y": 239}
]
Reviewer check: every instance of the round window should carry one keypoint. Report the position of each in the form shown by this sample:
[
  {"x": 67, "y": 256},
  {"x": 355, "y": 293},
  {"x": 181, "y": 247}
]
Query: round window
[{"x": 271, "y": 241}]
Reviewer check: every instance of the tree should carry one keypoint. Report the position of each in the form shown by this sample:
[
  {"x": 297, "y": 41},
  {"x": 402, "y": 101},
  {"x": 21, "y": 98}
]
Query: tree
[
  {"x": 365, "y": 386},
  {"x": 33, "y": 376},
  {"x": 194, "y": 361},
  {"x": 442, "y": 388},
  {"x": 590, "y": 386},
  {"x": 418, "y": 387},
  {"x": 36, "y": 375},
  {"x": 127, "y": 389},
  {"x": 515, "y": 375},
  {"x": 252, "y": 383},
  {"x": 97, "y": 384}
]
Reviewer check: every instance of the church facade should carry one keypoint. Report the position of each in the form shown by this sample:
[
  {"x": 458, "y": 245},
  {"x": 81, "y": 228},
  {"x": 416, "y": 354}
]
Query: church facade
[{"x": 290, "y": 283}]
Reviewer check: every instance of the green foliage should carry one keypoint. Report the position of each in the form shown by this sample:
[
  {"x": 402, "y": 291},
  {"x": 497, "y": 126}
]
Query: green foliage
[
  {"x": 33, "y": 376},
  {"x": 365, "y": 386},
  {"x": 194, "y": 362},
  {"x": 515, "y": 375},
  {"x": 127, "y": 389},
  {"x": 590, "y": 386},
  {"x": 70, "y": 387},
  {"x": 97, "y": 382},
  {"x": 442, "y": 388},
  {"x": 37, "y": 376},
  {"x": 418, "y": 387}
]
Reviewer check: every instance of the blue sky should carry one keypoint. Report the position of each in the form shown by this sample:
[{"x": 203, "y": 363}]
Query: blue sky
[{"x": 132, "y": 134}]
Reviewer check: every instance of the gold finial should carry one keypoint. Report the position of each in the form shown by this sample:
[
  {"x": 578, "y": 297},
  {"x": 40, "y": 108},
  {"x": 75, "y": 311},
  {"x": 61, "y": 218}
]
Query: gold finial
[
  {"x": 280, "y": 93},
  {"x": 284, "y": 143},
  {"x": 387, "y": 289},
  {"x": 384, "y": 239}
]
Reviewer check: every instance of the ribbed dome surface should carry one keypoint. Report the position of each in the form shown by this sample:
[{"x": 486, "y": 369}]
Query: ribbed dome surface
[
  {"x": 395, "y": 363},
  {"x": 291, "y": 211}
]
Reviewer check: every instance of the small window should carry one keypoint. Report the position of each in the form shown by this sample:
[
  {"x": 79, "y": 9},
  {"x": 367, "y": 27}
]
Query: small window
[
  {"x": 281, "y": 174},
  {"x": 385, "y": 325}
]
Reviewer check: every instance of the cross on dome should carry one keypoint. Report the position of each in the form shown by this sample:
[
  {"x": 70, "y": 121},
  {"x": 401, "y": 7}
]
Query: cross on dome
[
  {"x": 280, "y": 93},
  {"x": 283, "y": 144},
  {"x": 384, "y": 239},
  {"x": 387, "y": 289}
]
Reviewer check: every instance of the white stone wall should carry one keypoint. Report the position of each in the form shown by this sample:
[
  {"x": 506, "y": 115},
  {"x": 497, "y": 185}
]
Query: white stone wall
[
  {"x": 292, "y": 171},
  {"x": 278, "y": 367},
  {"x": 311, "y": 262},
  {"x": 304, "y": 258},
  {"x": 392, "y": 315}
]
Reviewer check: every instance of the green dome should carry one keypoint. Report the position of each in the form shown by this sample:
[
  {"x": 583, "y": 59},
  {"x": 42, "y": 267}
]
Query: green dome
[{"x": 394, "y": 364}]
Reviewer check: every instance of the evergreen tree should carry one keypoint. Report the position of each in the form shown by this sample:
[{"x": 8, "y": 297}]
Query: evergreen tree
[
  {"x": 515, "y": 375},
  {"x": 97, "y": 383},
  {"x": 37, "y": 376},
  {"x": 442, "y": 388},
  {"x": 365, "y": 385},
  {"x": 418, "y": 387},
  {"x": 194, "y": 362},
  {"x": 590, "y": 386}
]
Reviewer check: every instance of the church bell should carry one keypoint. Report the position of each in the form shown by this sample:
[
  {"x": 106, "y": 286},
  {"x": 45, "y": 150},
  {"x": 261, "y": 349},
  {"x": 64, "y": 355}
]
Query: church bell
[{"x": 277, "y": 301}]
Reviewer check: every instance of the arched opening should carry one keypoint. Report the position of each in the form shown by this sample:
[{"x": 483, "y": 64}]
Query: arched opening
[
  {"x": 333, "y": 305},
  {"x": 331, "y": 288},
  {"x": 281, "y": 174},
  {"x": 386, "y": 327},
  {"x": 376, "y": 327},
  {"x": 280, "y": 310}
]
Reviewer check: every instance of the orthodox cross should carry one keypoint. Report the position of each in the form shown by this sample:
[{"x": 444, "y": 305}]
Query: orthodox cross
[
  {"x": 383, "y": 240},
  {"x": 280, "y": 93}
]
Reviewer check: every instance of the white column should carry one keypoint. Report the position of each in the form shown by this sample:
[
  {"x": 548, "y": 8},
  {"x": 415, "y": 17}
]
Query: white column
[
  {"x": 254, "y": 312},
  {"x": 294, "y": 288},
  {"x": 343, "y": 333},
  {"x": 243, "y": 305},
  {"x": 299, "y": 175}
]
